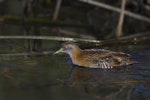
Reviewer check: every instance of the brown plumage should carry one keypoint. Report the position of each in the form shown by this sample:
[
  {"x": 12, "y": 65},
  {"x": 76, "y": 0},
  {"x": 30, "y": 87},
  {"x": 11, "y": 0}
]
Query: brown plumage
[{"x": 94, "y": 58}]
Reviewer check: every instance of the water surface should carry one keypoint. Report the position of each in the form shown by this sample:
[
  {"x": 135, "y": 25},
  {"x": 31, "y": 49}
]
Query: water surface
[{"x": 53, "y": 77}]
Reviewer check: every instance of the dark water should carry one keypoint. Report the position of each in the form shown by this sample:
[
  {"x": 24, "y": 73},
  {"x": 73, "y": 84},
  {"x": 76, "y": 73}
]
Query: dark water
[{"x": 53, "y": 77}]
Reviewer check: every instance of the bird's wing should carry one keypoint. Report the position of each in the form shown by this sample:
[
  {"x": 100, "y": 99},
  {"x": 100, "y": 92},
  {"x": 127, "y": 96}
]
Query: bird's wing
[
  {"x": 106, "y": 59},
  {"x": 100, "y": 63}
]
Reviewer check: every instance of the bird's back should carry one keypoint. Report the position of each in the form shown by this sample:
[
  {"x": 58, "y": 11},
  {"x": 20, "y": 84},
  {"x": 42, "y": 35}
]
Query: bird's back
[{"x": 100, "y": 58}]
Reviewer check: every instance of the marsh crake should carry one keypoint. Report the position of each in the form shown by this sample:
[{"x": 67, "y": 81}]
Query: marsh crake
[{"x": 94, "y": 58}]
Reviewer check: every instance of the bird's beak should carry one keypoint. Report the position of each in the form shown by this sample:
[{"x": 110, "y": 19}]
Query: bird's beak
[{"x": 59, "y": 51}]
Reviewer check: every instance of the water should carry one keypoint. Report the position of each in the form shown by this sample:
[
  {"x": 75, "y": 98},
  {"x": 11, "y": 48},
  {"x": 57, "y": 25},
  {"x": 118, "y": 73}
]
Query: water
[{"x": 53, "y": 77}]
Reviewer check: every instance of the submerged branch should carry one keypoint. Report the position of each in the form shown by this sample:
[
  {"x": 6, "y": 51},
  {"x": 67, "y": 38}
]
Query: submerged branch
[
  {"x": 25, "y": 54},
  {"x": 50, "y": 38},
  {"x": 39, "y": 21},
  {"x": 127, "y": 39}
]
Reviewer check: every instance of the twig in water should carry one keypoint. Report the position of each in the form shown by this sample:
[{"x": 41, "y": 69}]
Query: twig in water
[
  {"x": 119, "y": 31},
  {"x": 57, "y": 9}
]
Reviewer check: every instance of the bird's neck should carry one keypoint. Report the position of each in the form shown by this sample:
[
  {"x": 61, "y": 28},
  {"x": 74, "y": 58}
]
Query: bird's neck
[{"x": 75, "y": 54}]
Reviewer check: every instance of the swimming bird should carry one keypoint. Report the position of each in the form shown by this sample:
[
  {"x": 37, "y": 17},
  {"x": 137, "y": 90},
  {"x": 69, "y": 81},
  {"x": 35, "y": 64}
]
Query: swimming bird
[{"x": 94, "y": 58}]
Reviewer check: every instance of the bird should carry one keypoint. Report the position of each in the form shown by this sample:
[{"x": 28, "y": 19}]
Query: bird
[{"x": 94, "y": 58}]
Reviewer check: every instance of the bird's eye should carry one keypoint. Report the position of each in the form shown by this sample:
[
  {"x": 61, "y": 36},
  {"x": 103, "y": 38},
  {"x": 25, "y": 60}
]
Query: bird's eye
[
  {"x": 67, "y": 47},
  {"x": 64, "y": 47}
]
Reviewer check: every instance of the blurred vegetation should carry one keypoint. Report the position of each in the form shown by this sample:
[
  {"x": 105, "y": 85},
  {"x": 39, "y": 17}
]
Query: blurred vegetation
[{"x": 74, "y": 18}]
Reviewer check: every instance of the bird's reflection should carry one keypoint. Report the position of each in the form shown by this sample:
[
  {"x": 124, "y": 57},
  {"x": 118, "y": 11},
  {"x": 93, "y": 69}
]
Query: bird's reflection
[
  {"x": 81, "y": 75},
  {"x": 96, "y": 81}
]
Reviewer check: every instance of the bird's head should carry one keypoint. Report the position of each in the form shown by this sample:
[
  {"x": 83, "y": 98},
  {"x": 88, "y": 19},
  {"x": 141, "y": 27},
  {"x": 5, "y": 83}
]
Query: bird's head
[{"x": 67, "y": 47}]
